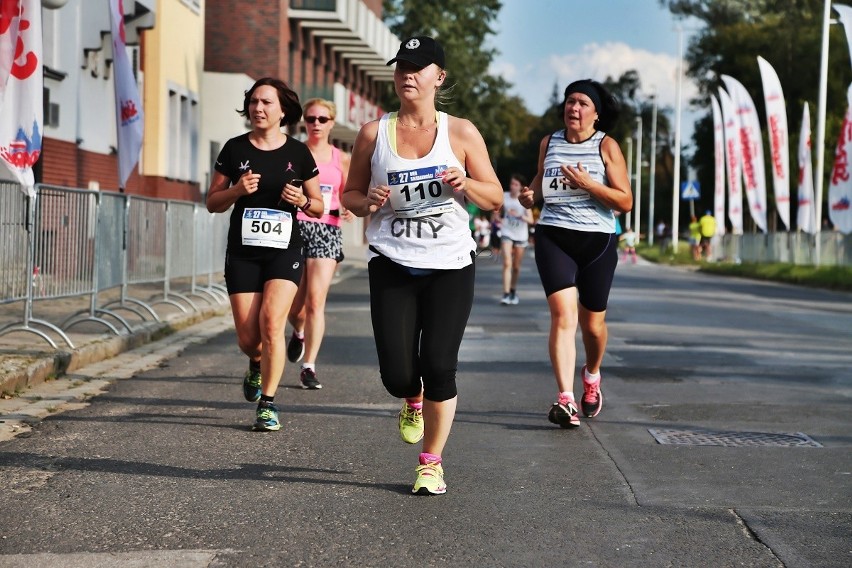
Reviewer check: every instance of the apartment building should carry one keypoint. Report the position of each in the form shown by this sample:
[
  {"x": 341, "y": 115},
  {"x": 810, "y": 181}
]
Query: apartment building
[{"x": 193, "y": 60}]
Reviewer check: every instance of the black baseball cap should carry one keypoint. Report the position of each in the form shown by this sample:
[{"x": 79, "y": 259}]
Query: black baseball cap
[{"x": 421, "y": 51}]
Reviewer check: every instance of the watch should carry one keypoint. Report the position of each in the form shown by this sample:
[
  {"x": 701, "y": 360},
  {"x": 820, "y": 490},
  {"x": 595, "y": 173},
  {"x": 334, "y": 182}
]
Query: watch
[{"x": 307, "y": 203}]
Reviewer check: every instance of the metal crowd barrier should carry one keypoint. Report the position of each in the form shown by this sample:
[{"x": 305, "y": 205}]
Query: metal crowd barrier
[{"x": 68, "y": 242}]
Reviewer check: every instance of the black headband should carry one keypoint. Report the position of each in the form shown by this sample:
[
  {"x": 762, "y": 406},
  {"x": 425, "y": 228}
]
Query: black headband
[{"x": 587, "y": 89}]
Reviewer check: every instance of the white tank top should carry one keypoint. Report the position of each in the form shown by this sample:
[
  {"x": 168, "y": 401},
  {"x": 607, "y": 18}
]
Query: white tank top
[
  {"x": 574, "y": 208},
  {"x": 514, "y": 226},
  {"x": 424, "y": 224}
]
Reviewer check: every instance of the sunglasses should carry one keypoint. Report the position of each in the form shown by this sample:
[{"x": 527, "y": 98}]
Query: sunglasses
[{"x": 313, "y": 119}]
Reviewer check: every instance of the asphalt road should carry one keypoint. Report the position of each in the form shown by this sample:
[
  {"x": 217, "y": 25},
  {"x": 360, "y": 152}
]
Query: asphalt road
[{"x": 163, "y": 470}]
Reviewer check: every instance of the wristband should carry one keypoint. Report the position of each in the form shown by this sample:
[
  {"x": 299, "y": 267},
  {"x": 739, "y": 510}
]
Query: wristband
[{"x": 307, "y": 203}]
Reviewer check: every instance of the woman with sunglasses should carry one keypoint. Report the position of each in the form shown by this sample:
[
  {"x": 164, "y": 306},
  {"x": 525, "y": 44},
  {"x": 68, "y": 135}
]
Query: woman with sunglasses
[
  {"x": 263, "y": 261},
  {"x": 582, "y": 178},
  {"x": 412, "y": 172},
  {"x": 323, "y": 243}
]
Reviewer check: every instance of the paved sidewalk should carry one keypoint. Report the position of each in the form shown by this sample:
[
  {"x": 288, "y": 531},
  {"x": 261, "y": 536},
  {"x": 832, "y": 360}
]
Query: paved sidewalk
[{"x": 27, "y": 359}]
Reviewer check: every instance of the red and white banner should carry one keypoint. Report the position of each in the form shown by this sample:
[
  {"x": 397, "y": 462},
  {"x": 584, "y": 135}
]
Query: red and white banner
[
  {"x": 805, "y": 213},
  {"x": 840, "y": 186},
  {"x": 846, "y": 19},
  {"x": 21, "y": 113},
  {"x": 776, "y": 123},
  {"x": 731, "y": 129},
  {"x": 751, "y": 150},
  {"x": 128, "y": 106},
  {"x": 719, "y": 167}
]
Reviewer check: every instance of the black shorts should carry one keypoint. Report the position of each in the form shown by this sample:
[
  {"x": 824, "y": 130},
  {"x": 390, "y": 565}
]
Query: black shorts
[
  {"x": 567, "y": 258},
  {"x": 243, "y": 275}
]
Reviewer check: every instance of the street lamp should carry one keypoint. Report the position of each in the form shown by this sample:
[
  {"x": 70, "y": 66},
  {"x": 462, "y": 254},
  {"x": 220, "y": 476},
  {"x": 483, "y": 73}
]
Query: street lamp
[
  {"x": 653, "y": 172},
  {"x": 637, "y": 224},
  {"x": 629, "y": 173},
  {"x": 676, "y": 149}
]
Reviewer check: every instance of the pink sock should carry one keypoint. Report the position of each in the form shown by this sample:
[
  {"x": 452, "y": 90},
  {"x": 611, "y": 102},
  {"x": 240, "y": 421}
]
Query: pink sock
[
  {"x": 566, "y": 397},
  {"x": 429, "y": 458},
  {"x": 413, "y": 404}
]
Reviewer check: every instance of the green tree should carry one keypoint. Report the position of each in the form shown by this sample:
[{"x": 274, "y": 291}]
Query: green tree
[
  {"x": 463, "y": 27},
  {"x": 788, "y": 34}
]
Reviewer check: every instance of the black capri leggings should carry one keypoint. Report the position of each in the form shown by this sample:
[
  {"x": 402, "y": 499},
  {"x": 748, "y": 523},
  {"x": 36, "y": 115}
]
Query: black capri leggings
[
  {"x": 567, "y": 258},
  {"x": 418, "y": 324}
]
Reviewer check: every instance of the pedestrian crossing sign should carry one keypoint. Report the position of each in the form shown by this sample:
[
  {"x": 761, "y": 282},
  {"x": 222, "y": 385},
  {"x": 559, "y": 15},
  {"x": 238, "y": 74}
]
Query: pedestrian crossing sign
[{"x": 690, "y": 190}]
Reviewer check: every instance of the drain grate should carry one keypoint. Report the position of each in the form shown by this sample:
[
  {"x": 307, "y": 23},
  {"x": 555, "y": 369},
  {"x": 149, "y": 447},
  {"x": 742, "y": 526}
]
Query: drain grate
[{"x": 732, "y": 439}]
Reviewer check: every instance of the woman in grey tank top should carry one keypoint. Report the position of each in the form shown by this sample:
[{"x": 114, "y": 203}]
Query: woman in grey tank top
[{"x": 582, "y": 179}]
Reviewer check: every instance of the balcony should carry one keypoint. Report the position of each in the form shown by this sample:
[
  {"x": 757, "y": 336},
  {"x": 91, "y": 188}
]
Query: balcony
[{"x": 351, "y": 30}]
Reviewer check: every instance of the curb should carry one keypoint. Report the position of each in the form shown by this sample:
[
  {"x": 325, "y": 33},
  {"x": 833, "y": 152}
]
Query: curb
[{"x": 106, "y": 346}]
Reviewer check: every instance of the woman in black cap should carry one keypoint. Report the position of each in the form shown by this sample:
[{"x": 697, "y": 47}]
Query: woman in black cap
[
  {"x": 412, "y": 171},
  {"x": 582, "y": 179}
]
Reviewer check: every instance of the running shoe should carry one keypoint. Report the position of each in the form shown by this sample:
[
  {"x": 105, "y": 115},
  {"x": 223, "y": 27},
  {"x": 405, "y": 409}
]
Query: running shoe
[
  {"x": 410, "y": 424},
  {"x": 514, "y": 300},
  {"x": 430, "y": 480},
  {"x": 295, "y": 348},
  {"x": 565, "y": 415},
  {"x": 267, "y": 418},
  {"x": 251, "y": 385},
  {"x": 308, "y": 377},
  {"x": 592, "y": 400},
  {"x": 507, "y": 299}
]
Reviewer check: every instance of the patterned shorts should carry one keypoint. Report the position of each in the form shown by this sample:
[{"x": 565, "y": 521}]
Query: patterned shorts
[{"x": 322, "y": 240}]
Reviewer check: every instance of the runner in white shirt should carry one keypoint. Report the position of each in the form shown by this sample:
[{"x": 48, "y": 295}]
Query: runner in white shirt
[
  {"x": 412, "y": 172},
  {"x": 515, "y": 221}
]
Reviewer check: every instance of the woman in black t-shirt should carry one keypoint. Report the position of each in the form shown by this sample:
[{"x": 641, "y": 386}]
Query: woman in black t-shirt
[{"x": 266, "y": 176}]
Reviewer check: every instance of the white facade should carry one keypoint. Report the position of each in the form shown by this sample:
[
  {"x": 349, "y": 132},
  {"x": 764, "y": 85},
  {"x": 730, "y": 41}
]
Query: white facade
[
  {"x": 78, "y": 70},
  {"x": 223, "y": 96}
]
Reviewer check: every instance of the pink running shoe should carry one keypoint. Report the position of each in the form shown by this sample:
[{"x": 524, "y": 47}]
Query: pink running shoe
[{"x": 592, "y": 400}]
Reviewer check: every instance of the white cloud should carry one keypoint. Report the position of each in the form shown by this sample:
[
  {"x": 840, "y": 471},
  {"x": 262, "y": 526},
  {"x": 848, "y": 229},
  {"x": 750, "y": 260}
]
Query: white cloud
[{"x": 657, "y": 72}]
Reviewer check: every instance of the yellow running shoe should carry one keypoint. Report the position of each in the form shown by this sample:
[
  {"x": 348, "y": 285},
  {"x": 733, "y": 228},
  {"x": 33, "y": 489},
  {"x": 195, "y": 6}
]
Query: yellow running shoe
[
  {"x": 410, "y": 424},
  {"x": 430, "y": 480}
]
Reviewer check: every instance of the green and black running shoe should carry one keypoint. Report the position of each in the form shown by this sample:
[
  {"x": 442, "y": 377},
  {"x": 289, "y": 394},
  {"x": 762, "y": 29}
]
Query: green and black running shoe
[
  {"x": 267, "y": 418},
  {"x": 251, "y": 385}
]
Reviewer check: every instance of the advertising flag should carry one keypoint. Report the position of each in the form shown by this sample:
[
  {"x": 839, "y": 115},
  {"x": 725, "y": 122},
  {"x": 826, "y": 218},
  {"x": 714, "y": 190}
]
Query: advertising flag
[
  {"x": 128, "y": 107},
  {"x": 776, "y": 122},
  {"x": 731, "y": 130},
  {"x": 806, "y": 214},
  {"x": 846, "y": 19},
  {"x": 10, "y": 18},
  {"x": 840, "y": 186},
  {"x": 21, "y": 112},
  {"x": 751, "y": 150},
  {"x": 719, "y": 167}
]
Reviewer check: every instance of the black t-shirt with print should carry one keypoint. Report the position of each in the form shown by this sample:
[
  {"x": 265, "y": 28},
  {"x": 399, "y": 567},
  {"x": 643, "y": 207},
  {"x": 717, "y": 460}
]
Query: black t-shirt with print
[{"x": 276, "y": 167}]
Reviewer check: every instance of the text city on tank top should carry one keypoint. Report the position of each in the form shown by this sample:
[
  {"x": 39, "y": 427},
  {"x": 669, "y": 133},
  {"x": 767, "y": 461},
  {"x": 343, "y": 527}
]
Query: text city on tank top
[{"x": 424, "y": 224}]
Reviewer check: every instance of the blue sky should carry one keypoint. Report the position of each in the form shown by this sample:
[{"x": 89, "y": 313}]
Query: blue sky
[{"x": 546, "y": 41}]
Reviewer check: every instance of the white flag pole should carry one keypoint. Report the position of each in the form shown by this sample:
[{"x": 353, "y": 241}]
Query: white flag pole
[{"x": 820, "y": 130}]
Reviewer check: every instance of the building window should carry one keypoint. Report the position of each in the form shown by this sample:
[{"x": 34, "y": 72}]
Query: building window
[
  {"x": 194, "y": 5},
  {"x": 182, "y": 135},
  {"x": 50, "y": 110}
]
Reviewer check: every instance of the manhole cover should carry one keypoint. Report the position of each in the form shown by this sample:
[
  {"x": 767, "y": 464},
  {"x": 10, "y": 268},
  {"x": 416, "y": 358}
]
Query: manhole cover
[{"x": 732, "y": 439}]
